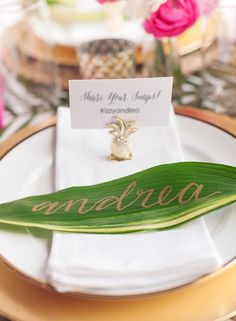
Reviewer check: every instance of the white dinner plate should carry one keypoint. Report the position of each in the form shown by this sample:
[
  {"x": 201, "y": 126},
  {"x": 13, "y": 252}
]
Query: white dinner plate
[{"x": 28, "y": 169}]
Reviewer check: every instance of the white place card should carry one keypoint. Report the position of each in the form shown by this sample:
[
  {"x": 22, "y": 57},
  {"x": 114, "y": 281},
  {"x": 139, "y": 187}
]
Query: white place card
[{"x": 93, "y": 103}]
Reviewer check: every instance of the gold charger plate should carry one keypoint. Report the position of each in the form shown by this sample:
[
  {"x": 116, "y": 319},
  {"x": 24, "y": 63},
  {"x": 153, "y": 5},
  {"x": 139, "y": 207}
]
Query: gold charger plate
[
  {"x": 212, "y": 298},
  {"x": 209, "y": 299}
]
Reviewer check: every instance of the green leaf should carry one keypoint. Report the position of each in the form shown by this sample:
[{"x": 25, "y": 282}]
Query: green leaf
[{"x": 158, "y": 198}]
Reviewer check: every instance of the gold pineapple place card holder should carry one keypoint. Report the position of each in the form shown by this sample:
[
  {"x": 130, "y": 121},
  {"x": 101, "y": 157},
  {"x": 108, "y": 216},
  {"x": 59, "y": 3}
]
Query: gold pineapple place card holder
[
  {"x": 120, "y": 146},
  {"x": 120, "y": 105}
]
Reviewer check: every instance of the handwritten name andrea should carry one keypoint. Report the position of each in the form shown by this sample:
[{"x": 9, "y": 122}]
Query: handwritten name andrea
[{"x": 130, "y": 196}]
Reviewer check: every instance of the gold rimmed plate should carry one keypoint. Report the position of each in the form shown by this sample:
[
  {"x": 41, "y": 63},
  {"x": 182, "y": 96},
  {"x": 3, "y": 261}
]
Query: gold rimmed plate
[{"x": 27, "y": 167}]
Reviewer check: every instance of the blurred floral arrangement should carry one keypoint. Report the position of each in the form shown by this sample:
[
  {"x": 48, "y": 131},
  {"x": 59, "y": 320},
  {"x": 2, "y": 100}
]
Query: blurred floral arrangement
[{"x": 167, "y": 18}]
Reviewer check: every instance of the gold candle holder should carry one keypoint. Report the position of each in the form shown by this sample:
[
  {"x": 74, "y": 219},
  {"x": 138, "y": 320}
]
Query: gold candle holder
[
  {"x": 120, "y": 146},
  {"x": 107, "y": 59}
]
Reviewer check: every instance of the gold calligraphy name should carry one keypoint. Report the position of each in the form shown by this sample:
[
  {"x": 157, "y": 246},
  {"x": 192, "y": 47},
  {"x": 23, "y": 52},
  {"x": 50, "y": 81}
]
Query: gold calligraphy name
[{"x": 190, "y": 192}]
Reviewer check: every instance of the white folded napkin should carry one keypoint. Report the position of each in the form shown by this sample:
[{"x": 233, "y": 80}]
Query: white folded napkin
[{"x": 109, "y": 263}]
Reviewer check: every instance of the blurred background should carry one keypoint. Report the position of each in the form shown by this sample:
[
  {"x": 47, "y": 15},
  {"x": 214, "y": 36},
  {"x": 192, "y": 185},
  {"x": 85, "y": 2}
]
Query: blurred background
[{"x": 43, "y": 44}]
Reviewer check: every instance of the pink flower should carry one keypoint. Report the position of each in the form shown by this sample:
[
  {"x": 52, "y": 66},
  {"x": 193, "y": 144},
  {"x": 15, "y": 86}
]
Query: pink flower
[
  {"x": 172, "y": 18},
  {"x": 106, "y": 1},
  {"x": 207, "y": 6}
]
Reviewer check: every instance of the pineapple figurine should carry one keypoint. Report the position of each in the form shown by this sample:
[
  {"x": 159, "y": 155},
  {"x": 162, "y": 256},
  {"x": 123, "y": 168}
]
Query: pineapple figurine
[{"x": 120, "y": 146}]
